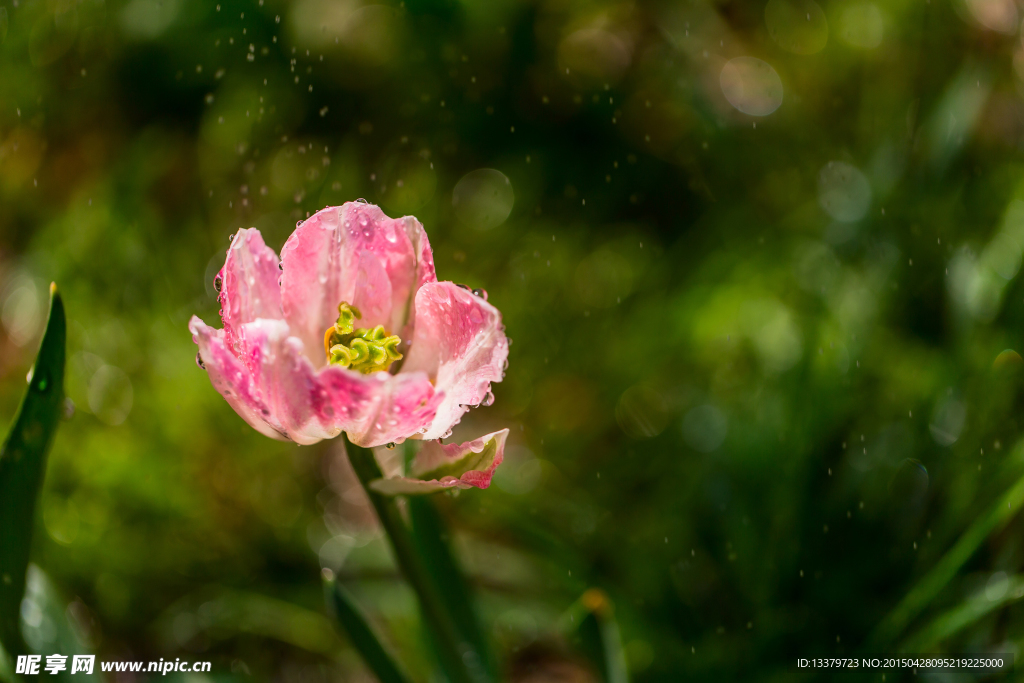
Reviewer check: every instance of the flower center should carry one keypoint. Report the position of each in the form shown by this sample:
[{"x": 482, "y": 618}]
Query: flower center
[{"x": 363, "y": 349}]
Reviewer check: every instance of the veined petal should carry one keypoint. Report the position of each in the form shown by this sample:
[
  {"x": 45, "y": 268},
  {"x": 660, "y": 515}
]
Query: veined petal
[
  {"x": 310, "y": 405},
  {"x": 249, "y": 284},
  {"x": 352, "y": 253},
  {"x": 460, "y": 343},
  {"x": 438, "y": 467},
  {"x": 379, "y": 408},
  {"x": 232, "y": 379}
]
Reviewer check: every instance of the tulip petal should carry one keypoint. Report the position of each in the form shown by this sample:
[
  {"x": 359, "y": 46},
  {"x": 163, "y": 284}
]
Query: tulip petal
[
  {"x": 232, "y": 379},
  {"x": 438, "y": 467},
  {"x": 379, "y": 408},
  {"x": 460, "y": 343},
  {"x": 249, "y": 284},
  {"x": 352, "y": 253},
  {"x": 307, "y": 405}
]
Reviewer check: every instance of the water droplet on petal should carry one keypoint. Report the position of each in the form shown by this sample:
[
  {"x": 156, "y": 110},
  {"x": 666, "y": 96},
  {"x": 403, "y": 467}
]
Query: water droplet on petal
[
  {"x": 199, "y": 361},
  {"x": 488, "y": 399},
  {"x": 218, "y": 282},
  {"x": 482, "y": 293},
  {"x": 390, "y": 446}
]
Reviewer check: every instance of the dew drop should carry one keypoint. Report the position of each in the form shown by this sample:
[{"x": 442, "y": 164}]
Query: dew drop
[
  {"x": 488, "y": 399},
  {"x": 218, "y": 282},
  {"x": 199, "y": 361},
  {"x": 465, "y": 287},
  {"x": 482, "y": 293},
  {"x": 390, "y": 446}
]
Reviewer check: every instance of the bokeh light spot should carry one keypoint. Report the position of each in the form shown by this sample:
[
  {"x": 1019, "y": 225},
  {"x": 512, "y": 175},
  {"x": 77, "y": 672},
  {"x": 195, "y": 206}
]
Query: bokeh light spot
[
  {"x": 751, "y": 85},
  {"x": 483, "y": 198},
  {"x": 843, "y": 192},
  {"x": 705, "y": 428},
  {"x": 862, "y": 25}
]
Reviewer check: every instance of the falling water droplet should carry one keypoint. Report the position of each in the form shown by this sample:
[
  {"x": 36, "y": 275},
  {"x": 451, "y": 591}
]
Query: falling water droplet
[
  {"x": 482, "y": 293},
  {"x": 199, "y": 361}
]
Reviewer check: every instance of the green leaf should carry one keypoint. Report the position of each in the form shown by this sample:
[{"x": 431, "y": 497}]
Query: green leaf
[
  {"x": 47, "y": 625},
  {"x": 432, "y": 541},
  {"x": 968, "y": 612},
  {"x": 22, "y": 466},
  {"x": 597, "y": 635},
  {"x": 931, "y": 584},
  {"x": 365, "y": 641}
]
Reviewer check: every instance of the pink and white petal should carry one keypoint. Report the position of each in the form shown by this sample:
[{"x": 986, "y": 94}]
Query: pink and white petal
[
  {"x": 285, "y": 379},
  {"x": 232, "y": 379},
  {"x": 404, "y": 486},
  {"x": 438, "y": 467},
  {"x": 352, "y": 253},
  {"x": 424, "y": 273},
  {"x": 460, "y": 343},
  {"x": 311, "y": 405},
  {"x": 250, "y": 284},
  {"x": 391, "y": 408}
]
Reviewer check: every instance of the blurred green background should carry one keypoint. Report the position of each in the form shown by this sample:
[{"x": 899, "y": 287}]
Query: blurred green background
[{"x": 758, "y": 260}]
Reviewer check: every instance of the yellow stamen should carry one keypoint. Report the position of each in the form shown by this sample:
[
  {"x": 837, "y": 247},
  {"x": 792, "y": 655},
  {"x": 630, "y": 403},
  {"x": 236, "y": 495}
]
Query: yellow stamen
[{"x": 366, "y": 350}]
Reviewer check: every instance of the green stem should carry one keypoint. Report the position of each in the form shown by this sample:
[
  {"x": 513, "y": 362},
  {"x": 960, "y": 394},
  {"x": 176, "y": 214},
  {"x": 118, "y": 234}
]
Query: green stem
[{"x": 453, "y": 649}]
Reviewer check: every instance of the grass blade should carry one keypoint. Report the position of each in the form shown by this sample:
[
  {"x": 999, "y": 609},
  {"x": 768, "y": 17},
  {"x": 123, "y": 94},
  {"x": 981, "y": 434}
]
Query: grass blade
[
  {"x": 352, "y": 622},
  {"x": 920, "y": 596},
  {"x": 432, "y": 540},
  {"x": 22, "y": 466},
  {"x": 956, "y": 619},
  {"x": 595, "y": 631}
]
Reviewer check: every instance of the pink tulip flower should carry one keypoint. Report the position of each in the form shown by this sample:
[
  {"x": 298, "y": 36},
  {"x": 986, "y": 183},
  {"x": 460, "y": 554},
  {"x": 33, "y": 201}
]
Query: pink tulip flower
[{"x": 350, "y": 331}]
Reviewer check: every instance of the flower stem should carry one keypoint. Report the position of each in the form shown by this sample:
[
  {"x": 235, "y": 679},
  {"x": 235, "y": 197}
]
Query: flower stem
[{"x": 454, "y": 650}]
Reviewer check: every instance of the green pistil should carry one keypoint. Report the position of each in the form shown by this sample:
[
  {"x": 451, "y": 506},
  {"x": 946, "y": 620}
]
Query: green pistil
[{"x": 364, "y": 349}]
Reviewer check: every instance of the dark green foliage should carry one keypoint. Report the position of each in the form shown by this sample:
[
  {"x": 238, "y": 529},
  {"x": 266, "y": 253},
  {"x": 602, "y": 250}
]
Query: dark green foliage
[
  {"x": 360, "y": 634},
  {"x": 771, "y": 414},
  {"x": 22, "y": 467}
]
